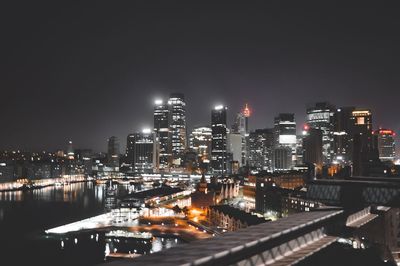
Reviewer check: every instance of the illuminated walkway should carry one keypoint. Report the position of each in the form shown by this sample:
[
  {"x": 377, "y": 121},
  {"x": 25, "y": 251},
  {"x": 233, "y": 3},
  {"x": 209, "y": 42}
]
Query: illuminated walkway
[{"x": 96, "y": 222}]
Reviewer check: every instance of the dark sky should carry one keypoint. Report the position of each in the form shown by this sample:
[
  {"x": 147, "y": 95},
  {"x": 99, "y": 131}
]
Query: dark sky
[{"x": 87, "y": 71}]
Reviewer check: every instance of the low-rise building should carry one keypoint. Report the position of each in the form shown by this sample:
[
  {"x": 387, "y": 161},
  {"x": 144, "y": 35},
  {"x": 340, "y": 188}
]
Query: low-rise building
[{"x": 232, "y": 219}]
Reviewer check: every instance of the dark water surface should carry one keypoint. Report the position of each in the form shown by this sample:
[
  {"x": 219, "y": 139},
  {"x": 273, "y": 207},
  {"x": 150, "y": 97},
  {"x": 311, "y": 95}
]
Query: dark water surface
[{"x": 25, "y": 215}]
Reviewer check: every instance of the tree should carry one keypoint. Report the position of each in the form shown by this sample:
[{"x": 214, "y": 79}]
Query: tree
[{"x": 176, "y": 209}]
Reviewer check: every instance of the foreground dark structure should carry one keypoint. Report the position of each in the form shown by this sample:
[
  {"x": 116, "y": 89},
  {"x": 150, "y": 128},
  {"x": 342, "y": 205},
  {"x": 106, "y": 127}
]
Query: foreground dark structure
[{"x": 365, "y": 219}]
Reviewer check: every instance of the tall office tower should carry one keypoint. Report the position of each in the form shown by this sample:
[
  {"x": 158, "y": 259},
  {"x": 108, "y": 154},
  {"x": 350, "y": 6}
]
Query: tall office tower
[
  {"x": 218, "y": 144},
  {"x": 282, "y": 158},
  {"x": 241, "y": 126},
  {"x": 362, "y": 121},
  {"x": 343, "y": 135},
  {"x": 177, "y": 127},
  {"x": 130, "y": 149},
  {"x": 162, "y": 134},
  {"x": 234, "y": 147},
  {"x": 299, "y": 150},
  {"x": 386, "y": 144},
  {"x": 321, "y": 116},
  {"x": 113, "y": 152},
  {"x": 200, "y": 142},
  {"x": 260, "y": 147},
  {"x": 313, "y": 147},
  {"x": 144, "y": 155},
  {"x": 364, "y": 148},
  {"x": 285, "y": 135},
  {"x": 70, "y": 151}
]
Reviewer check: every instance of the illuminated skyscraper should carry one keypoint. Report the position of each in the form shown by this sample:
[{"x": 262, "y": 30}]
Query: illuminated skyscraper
[
  {"x": 260, "y": 147},
  {"x": 343, "y": 135},
  {"x": 284, "y": 138},
  {"x": 177, "y": 125},
  {"x": 241, "y": 126},
  {"x": 362, "y": 121},
  {"x": 321, "y": 116},
  {"x": 282, "y": 158},
  {"x": 285, "y": 130},
  {"x": 70, "y": 150},
  {"x": 162, "y": 134},
  {"x": 113, "y": 152},
  {"x": 386, "y": 144},
  {"x": 200, "y": 142},
  {"x": 364, "y": 143},
  {"x": 219, "y": 140},
  {"x": 144, "y": 156}
]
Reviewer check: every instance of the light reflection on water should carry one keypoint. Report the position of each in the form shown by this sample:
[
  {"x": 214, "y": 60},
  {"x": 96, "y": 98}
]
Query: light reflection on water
[
  {"x": 70, "y": 244},
  {"x": 24, "y": 215}
]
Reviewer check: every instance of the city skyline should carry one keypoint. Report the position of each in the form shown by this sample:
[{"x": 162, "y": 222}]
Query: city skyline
[
  {"x": 300, "y": 123},
  {"x": 65, "y": 86}
]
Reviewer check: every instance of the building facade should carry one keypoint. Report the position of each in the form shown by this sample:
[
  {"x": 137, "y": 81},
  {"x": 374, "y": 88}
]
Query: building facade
[
  {"x": 177, "y": 120},
  {"x": 321, "y": 117},
  {"x": 260, "y": 149},
  {"x": 219, "y": 140},
  {"x": 386, "y": 144},
  {"x": 113, "y": 152},
  {"x": 200, "y": 142},
  {"x": 162, "y": 134},
  {"x": 285, "y": 141}
]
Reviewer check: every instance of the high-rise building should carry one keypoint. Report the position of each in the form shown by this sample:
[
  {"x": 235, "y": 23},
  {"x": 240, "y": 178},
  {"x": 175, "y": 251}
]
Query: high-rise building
[
  {"x": 362, "y": 121},
  {"x": 234, "y": 147},
  {"x": 260, "y": 147},
  {"x": 113, "y": 152},
  {"x": 299, "y": 150},
  {"x": 144, "y": 156},
  {"x": 241, "y": 126},
  {"x": 177, "y": 127},
  {"x": 285, "y": 130},
  {"x": 364, "y": 143},
  {"x": 343, "y": 135},
  {"x": 321, "y": 116},
  {"x": 130, "y": 149},
  {"x": 162, "y": 134},
  {"x": 313, "y": 147},
  {"x": 282, "y": 158},
  {"x": 284, "y": 137},
  {"x": 70, "y": 150},
  {"x": 200, "y": 142},
  {"x": 386, "y": 144},
  {"x": 219, "y": 140}
]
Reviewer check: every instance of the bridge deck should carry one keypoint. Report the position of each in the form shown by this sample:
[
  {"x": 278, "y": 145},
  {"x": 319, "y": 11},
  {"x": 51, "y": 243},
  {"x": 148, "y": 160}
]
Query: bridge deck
[
  {"x": 305, "y": 252},
  {"x": 362, "y": 220}
]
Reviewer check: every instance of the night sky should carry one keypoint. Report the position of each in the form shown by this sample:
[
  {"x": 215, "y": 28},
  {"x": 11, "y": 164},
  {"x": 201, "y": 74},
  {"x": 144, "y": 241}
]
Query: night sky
[{"x": 87, "y": 71}]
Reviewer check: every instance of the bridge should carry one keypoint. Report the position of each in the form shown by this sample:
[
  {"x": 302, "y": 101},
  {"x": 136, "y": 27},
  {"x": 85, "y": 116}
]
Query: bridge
[{"x": 356, "y": 192}]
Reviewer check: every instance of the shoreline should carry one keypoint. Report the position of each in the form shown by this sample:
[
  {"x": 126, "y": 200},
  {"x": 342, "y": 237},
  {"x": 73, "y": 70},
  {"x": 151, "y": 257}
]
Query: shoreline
[{"x": 24, "y": 187}]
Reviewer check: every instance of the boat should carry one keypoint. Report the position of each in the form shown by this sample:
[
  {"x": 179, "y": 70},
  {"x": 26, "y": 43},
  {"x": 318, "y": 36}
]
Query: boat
[
  {"x": 127, "y": 234},
  {"x": 101, "y": 181}
]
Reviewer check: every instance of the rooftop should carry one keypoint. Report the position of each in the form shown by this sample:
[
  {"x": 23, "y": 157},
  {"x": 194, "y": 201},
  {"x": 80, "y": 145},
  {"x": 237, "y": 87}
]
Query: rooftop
[
  {"x": 155, "y": 192},
  {"x": 237, "y": 214}
]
